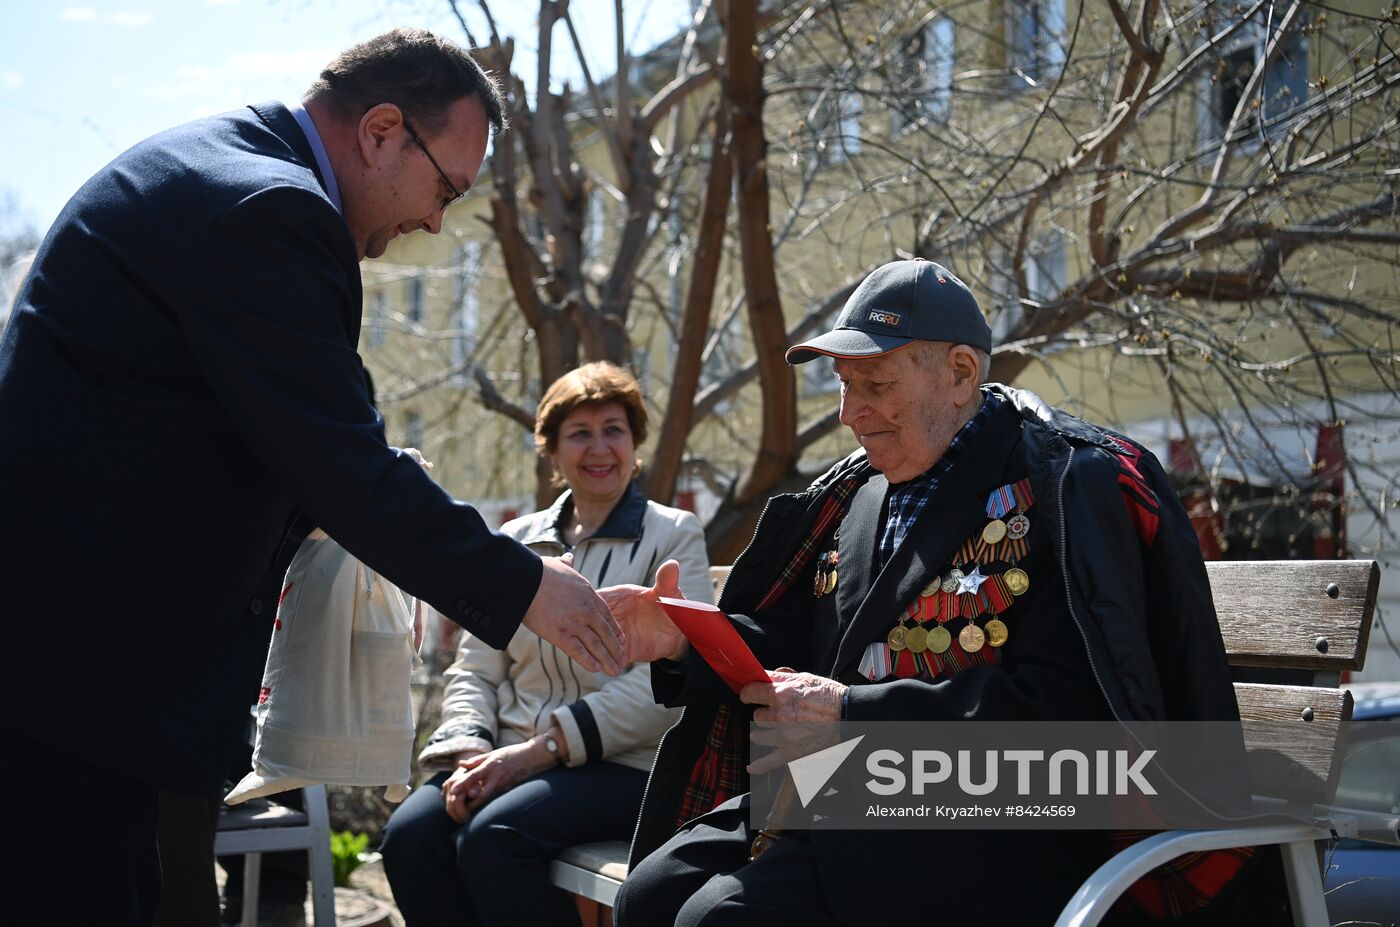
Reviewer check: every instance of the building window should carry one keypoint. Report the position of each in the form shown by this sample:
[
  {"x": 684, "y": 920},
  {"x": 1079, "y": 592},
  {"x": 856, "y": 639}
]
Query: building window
[
  {"x": 1045, "y": 268},
  {"x": 468, "y": 307},
  {"x": 1046, "y": 276},
  {"x": 818, "y": 376},
  {"x": 593, "y": 219},
  {"x": 1035, "y": 49},
  {"x": 928, "y": 71},
  {"x": 413, "y": 299},
  {"x": 836, "y": 126},
  {"x": 378, "y": 308},
  {"x": 1284, "y": 87}
]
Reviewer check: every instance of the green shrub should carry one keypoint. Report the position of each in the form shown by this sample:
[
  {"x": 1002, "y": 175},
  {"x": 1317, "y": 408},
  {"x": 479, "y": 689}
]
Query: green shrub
[{"x": 347, "y": 852}]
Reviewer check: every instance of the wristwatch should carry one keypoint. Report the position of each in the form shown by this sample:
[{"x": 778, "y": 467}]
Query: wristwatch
[{"x": 552, "y": 746}]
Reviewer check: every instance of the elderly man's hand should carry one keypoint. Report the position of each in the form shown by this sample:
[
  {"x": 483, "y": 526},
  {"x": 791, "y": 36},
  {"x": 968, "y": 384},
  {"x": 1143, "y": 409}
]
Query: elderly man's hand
[
  {"x": 650, "y": 634},
  {"x": 801, "y": 714},
  {"x": 570, "y": 615},
  {"x": 794, "y": 698}
]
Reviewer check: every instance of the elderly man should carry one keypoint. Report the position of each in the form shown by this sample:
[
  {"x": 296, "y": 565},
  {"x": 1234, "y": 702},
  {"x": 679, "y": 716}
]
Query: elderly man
[
  {"x": 1088, "y": 601},
  {"x": 179, "y": 373}
]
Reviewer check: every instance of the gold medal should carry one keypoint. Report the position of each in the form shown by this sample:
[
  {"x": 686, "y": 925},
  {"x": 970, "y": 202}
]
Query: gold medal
[
  {"x": 917, "y": 639},
  {"x": 951, "y": 581},
  {"x": 1016, "y": 580},
  {"x": 994, "y": 532},
  {"x": 897, "y": 638},
  {"x": 830, "y": 586},
  {"x": 971, "y": 638},
  {"x": 819, "y": 580},
  {"x": 996, "y": 632},
  {"x": 1017, "y": 527},
  {"x": 939, "y": 639}
]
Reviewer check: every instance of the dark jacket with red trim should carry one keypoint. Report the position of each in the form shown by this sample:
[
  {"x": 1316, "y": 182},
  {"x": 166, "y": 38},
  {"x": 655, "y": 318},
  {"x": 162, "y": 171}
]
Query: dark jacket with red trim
[{"x": 1118, "y": 544}]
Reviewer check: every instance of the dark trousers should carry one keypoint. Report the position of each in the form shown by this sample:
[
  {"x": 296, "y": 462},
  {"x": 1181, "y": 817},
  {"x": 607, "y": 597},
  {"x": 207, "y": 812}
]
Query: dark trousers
[
  {"x": 702, "y": 875},
  {"x": 84, "y": 838},
  {"x": 495, "y": 868},
  {"x": 190, "y": 895}
]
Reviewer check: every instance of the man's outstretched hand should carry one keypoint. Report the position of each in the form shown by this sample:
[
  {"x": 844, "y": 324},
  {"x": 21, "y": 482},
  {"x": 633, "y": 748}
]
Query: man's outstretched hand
[
  {"x": 571, "y": 616},
  {"x": 650, "y": 634}
]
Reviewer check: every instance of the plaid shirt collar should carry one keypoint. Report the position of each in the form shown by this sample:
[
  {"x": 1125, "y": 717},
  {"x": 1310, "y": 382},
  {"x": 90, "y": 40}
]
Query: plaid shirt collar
[{"x": 906, "y": 501}]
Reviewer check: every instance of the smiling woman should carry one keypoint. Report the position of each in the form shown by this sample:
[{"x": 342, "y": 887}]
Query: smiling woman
[{"x": 588, "y": 426}]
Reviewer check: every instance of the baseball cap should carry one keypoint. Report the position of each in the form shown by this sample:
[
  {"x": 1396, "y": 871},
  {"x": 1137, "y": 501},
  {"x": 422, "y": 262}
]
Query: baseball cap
[{"x": 900, "y": 302}]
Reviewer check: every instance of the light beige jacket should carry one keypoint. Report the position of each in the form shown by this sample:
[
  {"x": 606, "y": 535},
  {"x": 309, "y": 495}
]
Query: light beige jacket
[{"x": 502, "y": 697}]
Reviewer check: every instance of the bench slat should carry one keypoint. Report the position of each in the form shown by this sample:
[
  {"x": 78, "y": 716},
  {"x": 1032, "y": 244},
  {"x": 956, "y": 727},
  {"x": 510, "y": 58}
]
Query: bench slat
[
  {"x": 592, "y": 870},
  {"x": 1273, "y": 612},
  {"x": 1280, "y": 731},
  {"x": 607, "y": 858}
]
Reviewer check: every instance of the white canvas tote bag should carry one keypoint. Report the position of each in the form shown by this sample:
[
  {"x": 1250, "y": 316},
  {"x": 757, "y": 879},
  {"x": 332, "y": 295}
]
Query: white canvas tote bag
[{"x": 334, "y": 707}]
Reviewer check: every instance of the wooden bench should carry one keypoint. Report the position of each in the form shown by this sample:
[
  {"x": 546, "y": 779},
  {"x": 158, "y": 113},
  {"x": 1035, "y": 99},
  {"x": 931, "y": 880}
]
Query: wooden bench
[{"x": 1309, "y": 617}]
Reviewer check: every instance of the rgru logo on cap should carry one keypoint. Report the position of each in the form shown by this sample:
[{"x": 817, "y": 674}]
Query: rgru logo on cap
[{"x": 884, "y": 318}]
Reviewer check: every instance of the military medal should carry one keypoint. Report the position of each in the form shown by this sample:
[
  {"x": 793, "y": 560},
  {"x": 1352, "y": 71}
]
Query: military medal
[
  {"x": 981, "y": 581},
  {"x": 994, "y": 532},
  {"x": 952, "y": 580},
  {"x": 1013, "y": 497},
  {"x": 824, "y": 583},
  {"x": 971, "y": 582}
]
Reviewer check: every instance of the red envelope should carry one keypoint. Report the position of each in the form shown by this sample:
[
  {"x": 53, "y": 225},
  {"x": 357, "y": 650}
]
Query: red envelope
[{"x": 709, "y": 631}]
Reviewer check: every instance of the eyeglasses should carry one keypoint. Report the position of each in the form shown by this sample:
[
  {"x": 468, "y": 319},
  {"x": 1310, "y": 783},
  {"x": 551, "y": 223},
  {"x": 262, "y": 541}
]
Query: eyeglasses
[{"x": 456, "y": 194}]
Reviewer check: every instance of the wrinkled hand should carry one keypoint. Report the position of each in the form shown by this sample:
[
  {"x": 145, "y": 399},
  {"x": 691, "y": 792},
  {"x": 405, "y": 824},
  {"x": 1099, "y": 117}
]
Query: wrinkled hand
[
  {"x": 800, "y": 714},
  {"x": 649, "y": 633},
  {"x": 570, "y": 615},
  {"x": 480, "y": 778}
]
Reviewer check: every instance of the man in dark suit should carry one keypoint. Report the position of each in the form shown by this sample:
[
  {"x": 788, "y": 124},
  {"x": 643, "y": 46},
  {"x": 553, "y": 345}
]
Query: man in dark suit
[
  {"x": 925, "y": 577},
  {"x": 179, "y": 373}
]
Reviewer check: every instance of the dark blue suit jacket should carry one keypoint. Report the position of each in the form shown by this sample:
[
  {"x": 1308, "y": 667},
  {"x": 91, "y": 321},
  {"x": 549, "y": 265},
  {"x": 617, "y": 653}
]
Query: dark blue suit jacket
[{"x": 180, "y": 371}]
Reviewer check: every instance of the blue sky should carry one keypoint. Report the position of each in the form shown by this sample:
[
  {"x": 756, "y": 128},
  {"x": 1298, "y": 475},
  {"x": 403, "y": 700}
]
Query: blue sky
[{"x": 82, "y": 80}]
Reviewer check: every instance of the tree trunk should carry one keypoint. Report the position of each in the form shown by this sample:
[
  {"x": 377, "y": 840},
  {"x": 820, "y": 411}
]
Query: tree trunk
[
  {"x": 695, "y": 320},
  {"x": 777, "y": 451}
]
